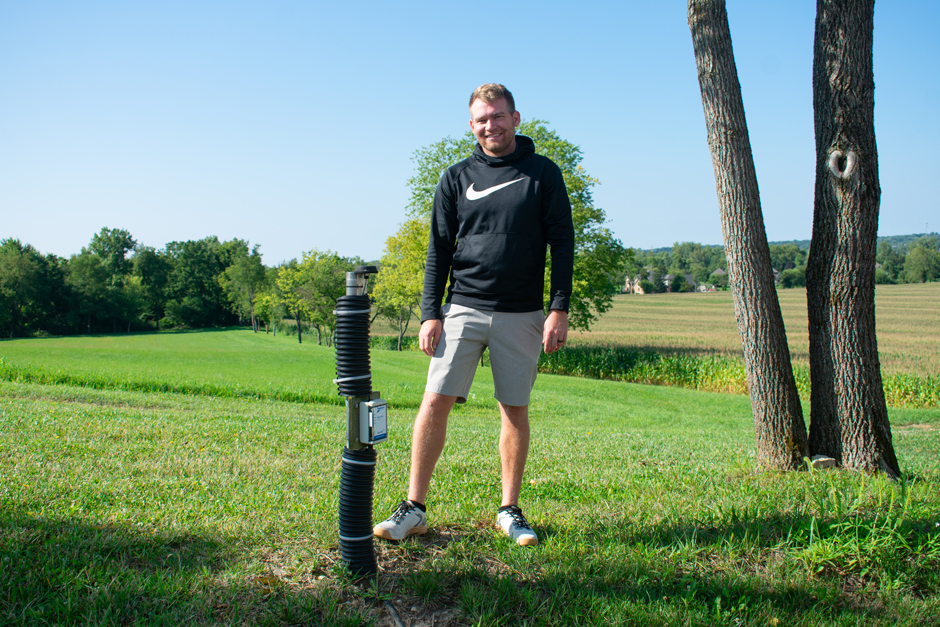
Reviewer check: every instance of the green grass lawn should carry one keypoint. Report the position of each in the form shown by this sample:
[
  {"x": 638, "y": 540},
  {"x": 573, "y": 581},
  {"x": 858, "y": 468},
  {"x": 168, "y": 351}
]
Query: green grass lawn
[{"x": 209, "y": 501}]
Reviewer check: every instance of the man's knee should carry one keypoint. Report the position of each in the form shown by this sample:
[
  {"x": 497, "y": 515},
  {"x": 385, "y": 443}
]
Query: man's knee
[
  {"x": 516, "y": 414},
  {"x": 436, "y": 405}
]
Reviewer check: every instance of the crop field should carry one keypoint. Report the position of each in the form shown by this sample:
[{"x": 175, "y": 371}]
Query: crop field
[
  {"x": 907, "y": 318},
  {"x": 192, "y": 479}
]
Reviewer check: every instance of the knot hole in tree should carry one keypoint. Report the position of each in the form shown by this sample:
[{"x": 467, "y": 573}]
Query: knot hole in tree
[{"x": 842, "y": 165}]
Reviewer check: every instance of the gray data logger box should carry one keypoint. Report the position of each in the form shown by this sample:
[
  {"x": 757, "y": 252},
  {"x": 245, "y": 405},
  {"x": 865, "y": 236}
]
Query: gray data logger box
[{"x": 373, "y": 421}]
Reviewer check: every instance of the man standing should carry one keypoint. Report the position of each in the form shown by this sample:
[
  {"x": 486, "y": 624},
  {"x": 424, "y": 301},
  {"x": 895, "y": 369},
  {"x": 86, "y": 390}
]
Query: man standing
[{"x": 494, "y": 215}]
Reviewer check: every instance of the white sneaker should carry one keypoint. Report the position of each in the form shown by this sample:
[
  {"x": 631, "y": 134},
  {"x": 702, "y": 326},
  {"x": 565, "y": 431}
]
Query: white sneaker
[
  {"x": 512, "y": 521},
  {"x": 407, "y": 520}
]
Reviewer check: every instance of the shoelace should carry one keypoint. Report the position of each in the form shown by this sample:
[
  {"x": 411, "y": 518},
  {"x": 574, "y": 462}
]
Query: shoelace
[
  {"x": 518, "y": 518},
  {"x": 403, "y": 510}
]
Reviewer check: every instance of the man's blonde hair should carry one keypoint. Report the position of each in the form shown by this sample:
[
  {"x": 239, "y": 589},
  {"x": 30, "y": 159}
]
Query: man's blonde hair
[{"x": 490, "y": 93}]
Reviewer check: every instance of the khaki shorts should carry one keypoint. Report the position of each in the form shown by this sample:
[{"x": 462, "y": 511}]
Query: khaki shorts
[{"x": 515, "y": 341}]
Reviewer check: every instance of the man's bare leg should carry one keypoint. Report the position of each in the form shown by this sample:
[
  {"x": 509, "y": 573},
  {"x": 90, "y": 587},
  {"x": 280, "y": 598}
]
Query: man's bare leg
[
  {"x": 427, "y": 442},
  {"x": 513, "y": 449}
]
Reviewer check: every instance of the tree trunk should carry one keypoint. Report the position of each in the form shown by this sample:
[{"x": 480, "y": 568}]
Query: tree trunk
[
  {"x": 400, "y": 332},
  {"x": 775, "y": 403},
  {"x": 849, "y": 413},
  {"x": 402, "y": 329},
  {"x": 299, "y": 332}
]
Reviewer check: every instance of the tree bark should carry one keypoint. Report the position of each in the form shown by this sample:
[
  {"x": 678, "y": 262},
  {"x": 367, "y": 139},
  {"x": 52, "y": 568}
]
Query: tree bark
[
  {"x": 775, "y": 403},
  {"x": 849, "y": 413}
]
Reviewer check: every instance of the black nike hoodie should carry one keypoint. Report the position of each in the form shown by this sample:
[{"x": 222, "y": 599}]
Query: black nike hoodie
[{"x": 492, "y": 221}]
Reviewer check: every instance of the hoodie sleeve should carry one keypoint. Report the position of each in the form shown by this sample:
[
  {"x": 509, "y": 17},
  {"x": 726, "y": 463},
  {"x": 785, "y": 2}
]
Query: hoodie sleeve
[
  {"x": 559, "y": 233},
  {"x": 441, "y": 246}
]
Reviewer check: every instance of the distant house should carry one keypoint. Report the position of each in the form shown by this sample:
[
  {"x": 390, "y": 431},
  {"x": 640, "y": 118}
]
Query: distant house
[
  {"x": 632, "y": 285},
  {"x": 689, "y": 278}
]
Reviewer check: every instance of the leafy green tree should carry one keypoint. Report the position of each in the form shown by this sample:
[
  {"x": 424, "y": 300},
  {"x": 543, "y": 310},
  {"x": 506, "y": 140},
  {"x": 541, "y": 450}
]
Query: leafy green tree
[
  {"x": 631, "y": 267},
  {"x": 288, "y": 295},
  {"x": 322, "y": 280},
  {"x": 599, "y": 257},
  {"x": 680, "y": 265},
  {"x": 50, "y": 309},
  {"x": 659, "y": 265},
  {"x": 194, "y": 296},
  {"x": 680, "y": 284},
  {"x": 793, "y": 277},
  {"x": 152, "y": 270},
  {"x": 19, "y": 271},
  {"x": 89, "y": 280},
  {"x": 922, "y": 264},
  {"x": 719, "y": 279},
  {"x": 310, "y": 289},
  {"x": 269, "y": 304},
  {"x": 113, "y": 246},
  {"x": 398, "y": 286},
  {"x": 784, "y": 255},
  {"x": 692, "y": 258},
  {"x": 111, "y": 301},
  {"x": 242, "y": 280},
  {"x": 269, "y": 308}
]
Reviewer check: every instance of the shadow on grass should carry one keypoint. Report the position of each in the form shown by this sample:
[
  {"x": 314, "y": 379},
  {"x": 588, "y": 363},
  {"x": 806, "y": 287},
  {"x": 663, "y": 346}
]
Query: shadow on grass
[
  {"x": 676, "y": 573},
  {"x": 64, "y": 572},
  {"x": 61, "y": 572}
]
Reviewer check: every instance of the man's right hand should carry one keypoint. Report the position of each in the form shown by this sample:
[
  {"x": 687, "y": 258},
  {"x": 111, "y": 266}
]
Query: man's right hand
[{"x": 430, "y": 335}]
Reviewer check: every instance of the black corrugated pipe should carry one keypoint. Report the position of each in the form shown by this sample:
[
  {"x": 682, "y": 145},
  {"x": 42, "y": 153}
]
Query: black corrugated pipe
[
  {"x": 355, "y": 511},
  {"x": 354, "y": 379},
  {"x": 352, "y": 346}
]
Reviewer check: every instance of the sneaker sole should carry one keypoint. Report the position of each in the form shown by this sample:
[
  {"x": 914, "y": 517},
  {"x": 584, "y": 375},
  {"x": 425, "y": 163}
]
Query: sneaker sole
[
  {"x": 385, "y": 534},
  {"x": 527, "y": 541}
]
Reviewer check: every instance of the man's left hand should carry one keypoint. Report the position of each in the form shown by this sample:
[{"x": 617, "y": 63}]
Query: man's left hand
[{"x": 555, "y": 331}]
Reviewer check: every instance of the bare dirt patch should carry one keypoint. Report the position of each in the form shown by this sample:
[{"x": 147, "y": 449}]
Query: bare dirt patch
[{"x": 386, "y": 599}]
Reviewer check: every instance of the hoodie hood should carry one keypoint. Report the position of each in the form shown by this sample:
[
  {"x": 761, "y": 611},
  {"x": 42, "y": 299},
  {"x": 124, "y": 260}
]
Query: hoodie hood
[{"x": 524, "y": 147}]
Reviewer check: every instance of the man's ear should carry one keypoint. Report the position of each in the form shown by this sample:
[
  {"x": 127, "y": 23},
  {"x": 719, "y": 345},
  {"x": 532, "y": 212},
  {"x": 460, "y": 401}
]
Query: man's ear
[{"x": 516, "y": 118}]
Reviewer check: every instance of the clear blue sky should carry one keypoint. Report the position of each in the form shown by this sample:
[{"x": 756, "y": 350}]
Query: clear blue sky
[{"x": 293, "y": 124}]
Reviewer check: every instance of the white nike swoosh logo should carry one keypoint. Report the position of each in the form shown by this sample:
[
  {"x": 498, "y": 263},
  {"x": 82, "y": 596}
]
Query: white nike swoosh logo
[{"x": 473, "y": 194}]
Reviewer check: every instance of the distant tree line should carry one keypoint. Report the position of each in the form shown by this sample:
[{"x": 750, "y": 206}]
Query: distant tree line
[
  {"x": 116, "y": 284},
  {"x": 918, "y": 262},
  {"x": 899, "y": 260}
]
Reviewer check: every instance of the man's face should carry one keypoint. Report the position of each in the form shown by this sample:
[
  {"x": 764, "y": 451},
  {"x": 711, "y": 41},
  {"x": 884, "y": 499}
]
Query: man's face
[{"x": 494, "y": 126}]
